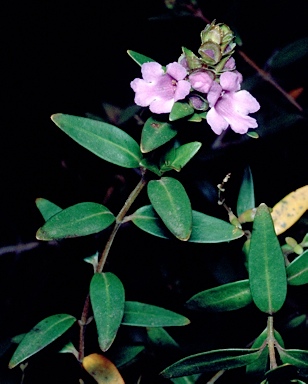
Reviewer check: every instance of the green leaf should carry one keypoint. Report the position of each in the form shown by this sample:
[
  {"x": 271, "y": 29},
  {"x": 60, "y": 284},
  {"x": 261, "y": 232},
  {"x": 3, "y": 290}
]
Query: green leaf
[
  {"x": 177, "y": 158},
  {"x": 47, "y": 208},
  {"x": 297, "y": 271},
  {"x": 266, "y": 265},
  {"x": 78, "y": 220},
  {"x": 155, "y": 133},
  {"x": 211, "y": 361},
  {"x": 282, "y": 374},
  {"x": 161, "y": 338},
  {"x": 205, "y": 229},
  {"x": 147, "y": 315},
  {"x": 151, "y": 166},
  {"x": 139, "y": 58},
  {"x": 246, "y": 197},
  {"x": 290, "y": 53},
  {"x": 296, "y": 357},
  {"x": 126, "y": 354},
  {"x": 258, "y": 367},
  {"x": 44, "y": 333},
  {"x": 107, "y": 298},
  {"x": 226, "y": 297},
  {"x": 170, "y": 201},
  {"x": 179, "y": 110},
  {"x": 104, "y": 140},
  {"x": 252, "y": 134}
]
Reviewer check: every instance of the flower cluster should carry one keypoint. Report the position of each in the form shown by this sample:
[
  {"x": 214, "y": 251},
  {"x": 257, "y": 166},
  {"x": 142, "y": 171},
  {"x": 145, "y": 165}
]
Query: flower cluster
[{"x": 210, "y": 83}]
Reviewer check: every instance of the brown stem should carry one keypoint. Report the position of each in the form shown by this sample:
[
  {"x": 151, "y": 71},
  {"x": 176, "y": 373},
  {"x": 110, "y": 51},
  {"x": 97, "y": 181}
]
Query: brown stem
[
  {"x": 271, "y": 342},
  {"x": 119, "y": 220}
]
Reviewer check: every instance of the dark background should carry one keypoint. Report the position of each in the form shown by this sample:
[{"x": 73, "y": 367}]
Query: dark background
[{"x": 70, "y": 57}]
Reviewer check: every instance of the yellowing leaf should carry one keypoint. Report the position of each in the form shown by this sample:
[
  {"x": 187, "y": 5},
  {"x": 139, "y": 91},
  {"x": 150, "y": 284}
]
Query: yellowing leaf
[
  {"x": 288, "y": 210},
  {"x": 101, "y": 369}
]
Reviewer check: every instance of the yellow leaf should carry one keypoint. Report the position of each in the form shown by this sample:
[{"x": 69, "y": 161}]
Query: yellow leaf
[
  {"x": 102, "y": 370},
  {"x": 288, "y": 210}
]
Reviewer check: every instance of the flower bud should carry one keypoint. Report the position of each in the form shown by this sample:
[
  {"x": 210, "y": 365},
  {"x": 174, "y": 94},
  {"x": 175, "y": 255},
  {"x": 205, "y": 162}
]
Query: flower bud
[
  {"x": 210, "y": 52},
  {"x": 198, "y": 102}
]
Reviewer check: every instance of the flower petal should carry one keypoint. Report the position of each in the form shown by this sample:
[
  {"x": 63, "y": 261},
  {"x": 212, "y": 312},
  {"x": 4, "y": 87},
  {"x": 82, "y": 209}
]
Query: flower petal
[
  {"x": 231, "y": 81},
  {"x": 176, "y": 70},
  {"x": 214, "y": 93},
  {"x": 152, "y": 71},
  {"x": 182, "y": 90},
  {"x": 216, "y": 121},
  {"x": 201, "y": 81},
  {"x": 245, "y": 102},
  {"x": 161, "y": 106}
]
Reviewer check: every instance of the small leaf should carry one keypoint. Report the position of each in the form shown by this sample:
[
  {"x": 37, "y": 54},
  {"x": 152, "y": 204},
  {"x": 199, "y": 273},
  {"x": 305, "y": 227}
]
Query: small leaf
[
  {"x": 258, "y": 367},
  {"x": 297, "y": 271},
  {"x": 161, "y": 338},
  {"x": 70, "y": 348},
  {"x": 155, "y": 133},
  {"x": 205, "y": 229},
  {"x": 211, "y": 361},
  {"x": 226, "y": 297},
  {"x": 246, "y": 197},
  {"x": 102, "y": 369},
  {"x": 151, "y": 166},
  {"x": 146, "y": 315},
  {"x": 107, "y": 299},
  {"x": 78, "y": 220},
  {"x": 266, "y": 264},
  {"x": 282, "y": 374},
  {"x": 179, "y": 110},
  {"x": 139, "y": 58},
  {"x": 177, "y": 158},
  {"x": 104, "y": 140},
  {"x": 296, "y": 357},
  {"x": 170, "y": 201},
  {"x": 44, "y": 333},
  {"x": 126, "y": 354},
  {"x": 288, "y": 210},
  {"x": 290, "y": 53},
  {"x": 47, "y": 208}
]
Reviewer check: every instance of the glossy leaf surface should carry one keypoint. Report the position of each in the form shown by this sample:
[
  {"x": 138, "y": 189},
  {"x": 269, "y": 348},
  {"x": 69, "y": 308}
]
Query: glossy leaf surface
[
  {"x": 102, "y": 369},
  {"x": 47, "y": 208},
  {"x": 296, "y": 357},
  {"x": 170, "y": 201},
  {"x": 104, "y": 140},
  {"x": 205, "y": 229},
  {"x": 139, "y": 58},
  {"x": 155, "y": 133},
  {"x": 44, "y": 333},
  {"x": 179, "y": 110},
  {"x": 246, "y": 197},
  {"x": 226, "y": 297},
  {"x": 107, "y": 298},
  {"x": 289, "y": 210},
  {"x": 297, "y": 271},
  {"x": 266, "y": 264},
  {"x": 147, "y": 315},
  {"x": 177, "y": 158},
  {"x": 78, "y": 220},
  {"x": 211, "y": 361}
]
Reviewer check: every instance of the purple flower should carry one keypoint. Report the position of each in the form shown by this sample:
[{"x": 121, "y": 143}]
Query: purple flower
[
  {"x": 230, "y": 106},
  {"x": 159, "y": 89},
  {"x": 201, "y": 81}
]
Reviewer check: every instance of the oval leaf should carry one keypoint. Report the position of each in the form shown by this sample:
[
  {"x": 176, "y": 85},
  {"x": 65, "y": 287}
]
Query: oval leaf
[
  {"x": 211, "y": 361},
  {"x": 44, "y": 333},
  {"x": 155, "y": 133},
  {"x": 102, "y": 369},
  {"x": 288, "y": 210},
  {"x": 297, "y": 271},
  {"x": 205, "y": 229},
  {"x": 47, "y": 208},
  {"x": 177, "y": 158},
  {"x": 170, "y": 201},
  {"x": 146, "y": 315},
  {"x": 296, "y": 357},
  {"x": 179, "y": 110},
  {"x": 266, "y": 264},
  {"x": 246, "y": 197},
  {"x": 78, "y": 220},
  {"x": 107, "y": 299},
  {"x": 226, "y": 297},
  {"x": 139, "y": 58},
  {"x": 104, "y": 140}
]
